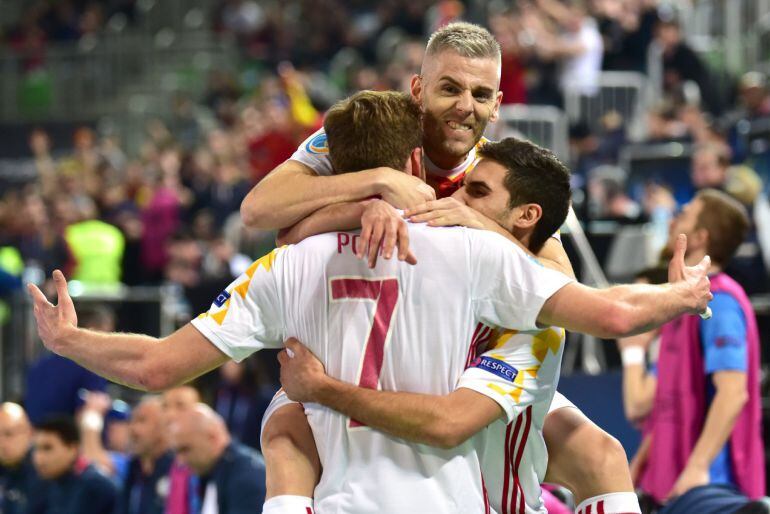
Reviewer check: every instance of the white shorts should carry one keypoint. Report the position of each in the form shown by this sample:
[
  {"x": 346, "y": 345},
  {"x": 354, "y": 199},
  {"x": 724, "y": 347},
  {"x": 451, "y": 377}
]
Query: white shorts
[{"x": 280, "y": 399}]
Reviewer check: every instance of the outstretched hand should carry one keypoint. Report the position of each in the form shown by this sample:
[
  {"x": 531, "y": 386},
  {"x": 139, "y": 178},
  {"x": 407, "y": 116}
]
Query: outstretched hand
[
  {"x": 53, "y": 321},
  {"x": 693, "y": 279}
]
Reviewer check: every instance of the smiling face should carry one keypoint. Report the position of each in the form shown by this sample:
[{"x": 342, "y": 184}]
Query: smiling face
[{"x": 459, "y": 96}]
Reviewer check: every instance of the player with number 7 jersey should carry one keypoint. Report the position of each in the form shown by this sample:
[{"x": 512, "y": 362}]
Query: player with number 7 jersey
[{"x": 402, "y": 327}]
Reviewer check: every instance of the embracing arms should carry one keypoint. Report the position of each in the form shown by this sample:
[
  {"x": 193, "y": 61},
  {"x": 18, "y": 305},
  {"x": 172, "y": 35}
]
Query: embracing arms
[{"x": 293, "y": 191}]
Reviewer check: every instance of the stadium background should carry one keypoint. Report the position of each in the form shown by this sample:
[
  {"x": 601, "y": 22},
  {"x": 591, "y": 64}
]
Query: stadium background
[{"x": 143, "y": 123}]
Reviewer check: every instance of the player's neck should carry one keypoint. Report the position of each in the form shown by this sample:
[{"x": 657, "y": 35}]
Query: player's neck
[{"x": 443, "y": 160}]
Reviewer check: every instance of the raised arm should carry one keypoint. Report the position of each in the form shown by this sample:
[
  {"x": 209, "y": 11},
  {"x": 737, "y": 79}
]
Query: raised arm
[
  {"x": 134, "y": 360},
  {"x": 292, "y": 191},
  {"x": 444, "y": 421},
  {"x": 625, "y": 310}
]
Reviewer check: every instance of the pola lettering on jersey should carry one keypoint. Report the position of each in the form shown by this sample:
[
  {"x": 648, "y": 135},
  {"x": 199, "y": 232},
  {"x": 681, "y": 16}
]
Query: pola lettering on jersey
[
  {"x": 496, "y": 367},
  {"x": 220, "y": 300}
]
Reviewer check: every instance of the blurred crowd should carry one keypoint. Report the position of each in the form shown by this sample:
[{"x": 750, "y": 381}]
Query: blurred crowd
[
  {"x": 168, "y": 213},
  {"x": 166, "y": 455}
]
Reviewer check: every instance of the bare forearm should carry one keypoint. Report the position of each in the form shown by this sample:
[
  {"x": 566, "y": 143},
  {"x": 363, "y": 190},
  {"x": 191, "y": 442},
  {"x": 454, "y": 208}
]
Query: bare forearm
[
  {"x": 646, "y": 307},
  {"x": 638, "y": 392},
  {"x": 281, "y": 201},
  {"x": 720, "y": 421},
  {"x": 342, "y": 216},
  {"x": 140, "y": 361},
  {"x": 118, "y": 357},
  {"x": 415, "y": 417}
]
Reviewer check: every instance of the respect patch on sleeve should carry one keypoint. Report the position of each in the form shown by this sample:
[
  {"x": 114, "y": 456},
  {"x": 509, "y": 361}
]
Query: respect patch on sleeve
[{"x": 497, "y": 367}]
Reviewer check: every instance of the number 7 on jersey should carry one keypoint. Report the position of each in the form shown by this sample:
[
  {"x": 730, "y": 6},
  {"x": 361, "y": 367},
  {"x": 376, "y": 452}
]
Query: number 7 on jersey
[{"x": 385, "y": 293}]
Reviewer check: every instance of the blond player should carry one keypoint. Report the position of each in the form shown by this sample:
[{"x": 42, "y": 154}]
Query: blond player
[{"x": 458, "y": 92}]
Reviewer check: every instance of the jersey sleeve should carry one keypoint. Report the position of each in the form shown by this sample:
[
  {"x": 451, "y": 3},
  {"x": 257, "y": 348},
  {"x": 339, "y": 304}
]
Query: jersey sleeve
[
  {"x": 314, "y": 153},
  {"x": 247, "y": 317},
  {"x": 724, "y": 336},
  {"x": 509, "y": 287},
  {"x": 508, "y": 373}
]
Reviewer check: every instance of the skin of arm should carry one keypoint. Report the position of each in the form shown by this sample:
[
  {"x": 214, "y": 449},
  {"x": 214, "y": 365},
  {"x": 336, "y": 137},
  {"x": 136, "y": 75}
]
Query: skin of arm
[
  {"x": 640, "y": 459},
  {"x": 91, "y": 423},
  {"x": 138, "y": 361},
  {"x": 731, "y": 396},
  {"x": 332, "y": 218},
  {"x": 446, "y": 421},
  {"x": 618, "y": 311},
  {"x": 638, "y": 384},
  {"x": 442, "y": 421},
  {"x": 626, "y": 310},
  {"x": 450, "y": 211},
  {"x": 292, "y": 191}
]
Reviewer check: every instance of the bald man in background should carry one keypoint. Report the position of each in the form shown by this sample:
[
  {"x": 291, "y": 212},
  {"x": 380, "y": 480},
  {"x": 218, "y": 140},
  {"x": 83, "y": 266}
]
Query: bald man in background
[
  {"x": 176, "y": 402},
  {"x": 231, "y": 475},
  {"x": 20, "y": 485},
  {"x": 148, "y": 479}
]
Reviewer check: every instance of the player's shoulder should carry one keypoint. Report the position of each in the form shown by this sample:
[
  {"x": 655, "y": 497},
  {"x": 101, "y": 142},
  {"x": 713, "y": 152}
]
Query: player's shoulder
[
  {"x": 314, "y": 153},
  {"x": 316, "y": 143}
]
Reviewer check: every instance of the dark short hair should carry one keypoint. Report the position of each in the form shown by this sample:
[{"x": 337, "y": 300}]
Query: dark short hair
[
  {"x": 372, "y": 129},
  {"x": 534, "y": 175},
  {"x": 64, "y": 427}
]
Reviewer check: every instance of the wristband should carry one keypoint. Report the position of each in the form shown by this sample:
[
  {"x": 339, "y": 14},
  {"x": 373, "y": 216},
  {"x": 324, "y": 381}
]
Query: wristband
[
  {"x": 92, "y": 421},
  {"x": 632, "y": 356}
]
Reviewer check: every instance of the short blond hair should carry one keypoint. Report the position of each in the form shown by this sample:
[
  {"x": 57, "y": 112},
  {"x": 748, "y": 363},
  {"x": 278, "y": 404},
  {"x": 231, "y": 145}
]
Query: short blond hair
[{"x": 466, "y": 39}]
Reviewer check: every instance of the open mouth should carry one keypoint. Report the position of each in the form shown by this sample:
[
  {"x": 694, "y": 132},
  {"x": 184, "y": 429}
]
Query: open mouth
[{"x": 454, "y": 125}]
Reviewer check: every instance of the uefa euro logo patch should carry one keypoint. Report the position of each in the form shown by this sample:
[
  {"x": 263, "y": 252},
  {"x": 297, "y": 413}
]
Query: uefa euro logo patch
[
  {"x": 318, "y": 144},
  {"x": 497, "y": 367},
  {"x": 220, "y": 300}
]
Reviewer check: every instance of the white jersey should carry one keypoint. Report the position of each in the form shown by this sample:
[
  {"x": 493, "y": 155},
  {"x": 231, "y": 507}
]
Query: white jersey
[
  {"x": 395, "y": 327},
  {"x": 520, "y": 371}
]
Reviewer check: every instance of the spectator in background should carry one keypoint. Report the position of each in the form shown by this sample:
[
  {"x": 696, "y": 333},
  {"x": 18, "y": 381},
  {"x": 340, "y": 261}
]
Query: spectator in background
[
  {"x": 54, "y": 384},
  {"x": 712, "y": 435},
  {"x": 578, "y": 46},
  {"x": 147, "y": 483},
  {"x": 97, "y": 248},
  {"x": 40, "y": 243},
  {"x": 163, "y": 213},
  {"x": 177, "y": 402},
  {"x": 232, "y": 476},
  {"x": 21, "y": 490},
  {"x": 711, "y": 169},
  {"x": 239, "y": 402},
  {"x": 682, "y": 64},
  {"x": 73, "y": 485},
  {"x": 103, "y": 425}
]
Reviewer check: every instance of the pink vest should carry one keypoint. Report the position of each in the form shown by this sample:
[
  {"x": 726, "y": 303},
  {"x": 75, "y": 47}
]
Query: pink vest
[{"x": 679, "y": 410}]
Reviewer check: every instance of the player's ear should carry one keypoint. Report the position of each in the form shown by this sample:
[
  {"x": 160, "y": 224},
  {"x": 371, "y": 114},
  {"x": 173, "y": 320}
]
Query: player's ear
[
  {"x": 416, "y": 88},
  {"x": 496, "y": 109},
  {"x": 527, "y": 215}
]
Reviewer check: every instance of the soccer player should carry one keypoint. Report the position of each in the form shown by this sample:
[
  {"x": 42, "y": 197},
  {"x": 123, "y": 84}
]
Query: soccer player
[
  {"x": 458, "y": 92},
  {"x": 384, "y": 325}
]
